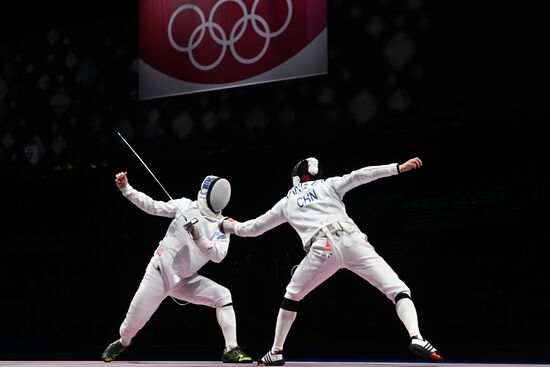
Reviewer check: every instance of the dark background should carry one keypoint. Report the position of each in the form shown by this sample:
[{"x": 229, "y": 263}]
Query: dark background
[{"x": 463, "y": 85}]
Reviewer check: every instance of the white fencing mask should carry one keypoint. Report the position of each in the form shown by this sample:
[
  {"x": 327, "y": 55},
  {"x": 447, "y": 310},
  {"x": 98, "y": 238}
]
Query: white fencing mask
[{"x": 215, "y": 192}]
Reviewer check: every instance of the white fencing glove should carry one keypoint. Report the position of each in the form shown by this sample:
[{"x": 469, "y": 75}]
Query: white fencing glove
[
  {"x": 198, "y": 236},
  {"x": 227, "y": 225},
  {"x": 188, "y": 226}
]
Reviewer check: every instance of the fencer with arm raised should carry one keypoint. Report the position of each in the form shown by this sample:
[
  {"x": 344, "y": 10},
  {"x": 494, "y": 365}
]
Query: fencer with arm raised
[{"x": 314, "y": 207}]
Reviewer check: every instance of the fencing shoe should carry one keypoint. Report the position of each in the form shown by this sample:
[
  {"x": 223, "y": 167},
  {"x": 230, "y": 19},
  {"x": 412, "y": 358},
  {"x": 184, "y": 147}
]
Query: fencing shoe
[
  {"x": 112, "y": 351},
  {"x": 272, "y": 359},
  {"x": 235, "y": 355},
  {"x": 424, "y": 349}
]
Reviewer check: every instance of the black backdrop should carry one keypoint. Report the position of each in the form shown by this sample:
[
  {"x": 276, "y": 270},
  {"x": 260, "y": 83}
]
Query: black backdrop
[{"x": 463, "y": 86}]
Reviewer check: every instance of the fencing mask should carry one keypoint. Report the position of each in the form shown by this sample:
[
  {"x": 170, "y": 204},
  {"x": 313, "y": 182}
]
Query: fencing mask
[
  {"x": 306, "y": 170},
  {"x": 215, "y": 193}
]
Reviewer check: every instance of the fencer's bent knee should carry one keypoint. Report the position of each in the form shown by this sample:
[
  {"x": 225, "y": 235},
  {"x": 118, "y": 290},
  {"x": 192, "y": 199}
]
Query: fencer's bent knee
[
  {"x": 401, "y": 296},
  {"x": 222, "y": 298},
  {"x": 397, "y": 289},
  {"x": 289, "y": 305}
]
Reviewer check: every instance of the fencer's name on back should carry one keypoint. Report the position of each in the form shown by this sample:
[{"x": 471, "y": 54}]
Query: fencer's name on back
[
  {"x": 301, "y": 187},
  {"x": 302, "y": 197}
]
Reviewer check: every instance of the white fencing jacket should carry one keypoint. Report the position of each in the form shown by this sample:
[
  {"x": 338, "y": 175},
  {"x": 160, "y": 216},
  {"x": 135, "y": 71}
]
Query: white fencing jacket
[
  {"x": 177, "y": 253},
  {"x": 309, "y": 206}
]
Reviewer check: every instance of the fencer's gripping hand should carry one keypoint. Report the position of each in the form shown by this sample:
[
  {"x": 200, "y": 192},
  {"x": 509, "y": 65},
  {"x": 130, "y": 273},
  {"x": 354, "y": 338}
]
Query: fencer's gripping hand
[
  {"x": 121, "y": 180},
  {"x": 198, "y": 236},
  {"x": 412, "y": 163},
  {"x": 227, "y": 225},
  {"x": 188, "y": 226}
]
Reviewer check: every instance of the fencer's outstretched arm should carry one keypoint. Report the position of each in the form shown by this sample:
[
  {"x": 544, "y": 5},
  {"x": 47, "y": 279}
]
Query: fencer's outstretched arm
[
  {"x": 255, "y": 227},
  {"x": 368, "y": 174},
  {"x": 142, "y": 201}
]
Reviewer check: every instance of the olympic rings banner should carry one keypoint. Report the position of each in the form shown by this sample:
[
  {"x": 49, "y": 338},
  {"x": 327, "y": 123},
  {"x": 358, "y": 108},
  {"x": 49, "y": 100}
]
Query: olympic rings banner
[{"x": 189, "y": 46}]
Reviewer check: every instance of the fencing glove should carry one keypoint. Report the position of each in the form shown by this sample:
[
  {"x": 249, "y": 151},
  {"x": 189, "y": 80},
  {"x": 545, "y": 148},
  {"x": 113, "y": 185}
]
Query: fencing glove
[{"x": 227, "y": 225}]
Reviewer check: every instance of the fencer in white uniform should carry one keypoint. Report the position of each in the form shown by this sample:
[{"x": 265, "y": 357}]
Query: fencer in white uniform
[
  {"x": 192, "y": 239},
  {"x": 314, "y": 208}
]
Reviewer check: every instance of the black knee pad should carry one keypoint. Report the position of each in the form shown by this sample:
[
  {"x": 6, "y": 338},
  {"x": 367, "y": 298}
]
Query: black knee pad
[
  {"x": 401, "y": 296},
  {"x": 289, "y": 305}
]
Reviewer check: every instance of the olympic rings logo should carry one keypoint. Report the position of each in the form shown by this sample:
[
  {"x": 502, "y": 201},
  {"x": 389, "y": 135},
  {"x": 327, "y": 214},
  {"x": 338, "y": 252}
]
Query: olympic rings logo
[{"x": 218, "y": 34}]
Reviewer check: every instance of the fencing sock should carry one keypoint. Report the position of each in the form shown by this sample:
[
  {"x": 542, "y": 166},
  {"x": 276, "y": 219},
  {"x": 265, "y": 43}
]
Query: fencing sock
[
  {"x": 407, "y": 314},
  {"x": 228, "y": 324},
  {"x": 284, "y": 322}
]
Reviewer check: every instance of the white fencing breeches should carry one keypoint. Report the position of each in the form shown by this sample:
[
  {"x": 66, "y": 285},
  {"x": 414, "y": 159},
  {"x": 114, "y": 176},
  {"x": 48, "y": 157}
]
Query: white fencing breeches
[
  {"x": 344, "y": 250},
  {"x": 153, "y": 290}
]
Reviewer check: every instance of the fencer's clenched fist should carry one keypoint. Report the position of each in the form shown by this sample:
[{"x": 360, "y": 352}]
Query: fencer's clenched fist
[
  {"x": 227, "y": 225},
  {"x": 121, "y": 180},
  {"x": 412, "y": 163}
]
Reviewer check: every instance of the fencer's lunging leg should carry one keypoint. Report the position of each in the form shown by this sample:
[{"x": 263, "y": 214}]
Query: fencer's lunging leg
[
  {"x": 228, "y": 323},
  {"x": 407, "y": 313},
  {"x": 287, "y": 315},
  {"x": 147, "y": 299}
]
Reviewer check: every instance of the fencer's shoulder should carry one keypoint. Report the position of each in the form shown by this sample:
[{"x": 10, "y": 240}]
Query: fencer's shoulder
[
  {"x": 281, "y": 201},
  {"x": 330, "y": 181},
  {"x": 183, "y": 202}
]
